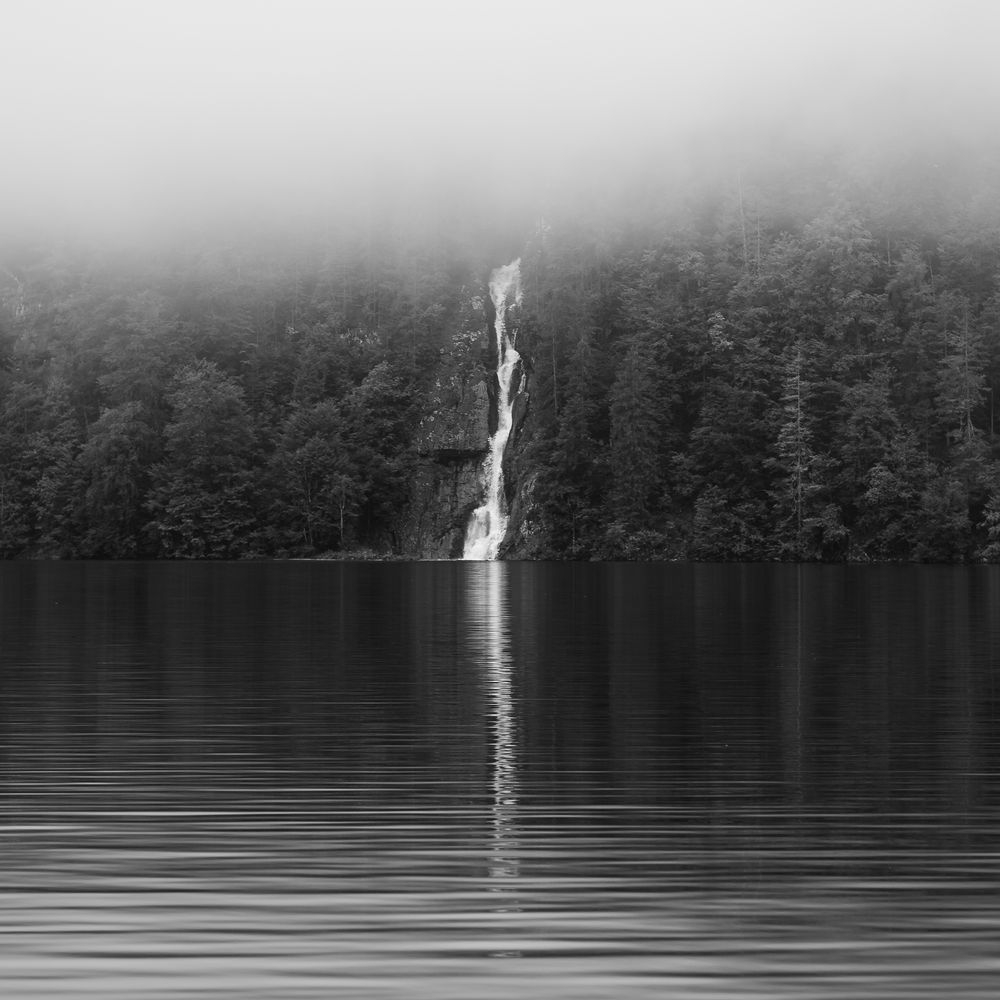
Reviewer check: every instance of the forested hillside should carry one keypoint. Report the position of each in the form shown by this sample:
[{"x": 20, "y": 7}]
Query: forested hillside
[
  {"x": 248, "y": 399},
  {"x": 791, "y": 359}
]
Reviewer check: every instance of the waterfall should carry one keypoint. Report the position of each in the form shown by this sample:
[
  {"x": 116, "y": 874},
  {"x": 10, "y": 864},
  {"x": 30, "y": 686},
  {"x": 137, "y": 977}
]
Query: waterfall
[{"x": 489, "y": 522}]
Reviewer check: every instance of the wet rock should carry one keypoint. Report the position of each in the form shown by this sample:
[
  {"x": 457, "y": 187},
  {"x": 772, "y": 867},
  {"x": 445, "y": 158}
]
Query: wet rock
[
  {"x": 523, "y": 530},
  {"x": 442, "y": 497},
  {"x": 518, "y": 412},
  {"x": 458, "y": 427},
  {"x": 452, "y": 441}
]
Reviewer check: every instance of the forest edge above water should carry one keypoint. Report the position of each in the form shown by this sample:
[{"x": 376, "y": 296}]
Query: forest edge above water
[{"x": 778, "y": 363}]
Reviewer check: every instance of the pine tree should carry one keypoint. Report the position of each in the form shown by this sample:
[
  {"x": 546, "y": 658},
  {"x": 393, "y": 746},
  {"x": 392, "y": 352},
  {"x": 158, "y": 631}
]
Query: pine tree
[
  {"x": 636, "y": 458},
  {"x": 806, "y": 523},
  {"x": 201, "y": 495}
]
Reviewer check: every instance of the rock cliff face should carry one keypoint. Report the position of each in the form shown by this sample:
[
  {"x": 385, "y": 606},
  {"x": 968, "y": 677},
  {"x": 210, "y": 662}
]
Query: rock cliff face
[
  {"x": 457, "y": 428},
  {"x": 520, "y": 481},
  {"x": 451, "y": 441}
]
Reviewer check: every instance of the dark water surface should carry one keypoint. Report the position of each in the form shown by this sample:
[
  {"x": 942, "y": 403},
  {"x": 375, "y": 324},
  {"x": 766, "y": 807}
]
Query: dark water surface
[{"x": 463, "y": 780}]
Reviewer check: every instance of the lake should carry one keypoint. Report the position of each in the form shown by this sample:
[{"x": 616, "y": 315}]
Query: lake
[{"x": 462, "y": 780}]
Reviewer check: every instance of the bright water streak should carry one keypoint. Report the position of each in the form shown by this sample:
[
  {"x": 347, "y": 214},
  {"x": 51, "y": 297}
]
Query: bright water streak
[
  {"x": 489, "y": 521},
  {"x": 471, "y": 781}
]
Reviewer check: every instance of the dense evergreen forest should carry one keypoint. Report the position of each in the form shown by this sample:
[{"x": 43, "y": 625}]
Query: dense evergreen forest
[{"x": 793, "y": 359}]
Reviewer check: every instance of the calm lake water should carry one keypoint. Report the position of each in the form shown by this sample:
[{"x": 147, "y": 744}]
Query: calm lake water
[{"x": 460, "y": 780}]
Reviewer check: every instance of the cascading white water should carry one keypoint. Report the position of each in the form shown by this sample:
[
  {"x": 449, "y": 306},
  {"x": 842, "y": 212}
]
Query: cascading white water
[{"x": 489, "y": 522}]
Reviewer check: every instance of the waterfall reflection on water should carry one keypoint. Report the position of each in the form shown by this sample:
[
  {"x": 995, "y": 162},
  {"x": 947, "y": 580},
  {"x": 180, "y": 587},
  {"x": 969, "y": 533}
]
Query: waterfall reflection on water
[
  {"x": 499, "y": 667},
  {"x": 492, "y": 604}
]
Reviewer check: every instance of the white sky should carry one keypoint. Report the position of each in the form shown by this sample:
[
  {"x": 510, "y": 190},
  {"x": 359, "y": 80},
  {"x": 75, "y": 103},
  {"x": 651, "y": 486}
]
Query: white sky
[{"x": 116, "y": 108}]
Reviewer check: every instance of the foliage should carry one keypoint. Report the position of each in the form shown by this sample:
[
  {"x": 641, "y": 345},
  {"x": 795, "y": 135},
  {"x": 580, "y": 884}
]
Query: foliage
[
  {"x": 200, "y": 497},
  {"x": 768, "y": 372}
]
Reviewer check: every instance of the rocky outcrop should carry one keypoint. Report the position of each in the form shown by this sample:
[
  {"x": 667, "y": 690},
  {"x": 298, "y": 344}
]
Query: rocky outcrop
[
  {"x": 523, "y": 530},
  {"x": 451, "y": 441},
  {"x": 442, "y": 496},
  {"x": 521, "y": 486},
  {"x": 458, "y": 426}
]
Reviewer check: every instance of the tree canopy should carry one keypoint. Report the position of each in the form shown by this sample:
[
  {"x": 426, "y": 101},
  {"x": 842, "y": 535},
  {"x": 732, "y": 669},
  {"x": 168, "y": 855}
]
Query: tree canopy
[{"x": 747, "y": 369}]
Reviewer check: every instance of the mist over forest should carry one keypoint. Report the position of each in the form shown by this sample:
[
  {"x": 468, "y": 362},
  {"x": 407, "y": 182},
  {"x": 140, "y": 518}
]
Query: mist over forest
[
  {"x": 139, "y": 121},
  {"x": 245, "y": 248}
]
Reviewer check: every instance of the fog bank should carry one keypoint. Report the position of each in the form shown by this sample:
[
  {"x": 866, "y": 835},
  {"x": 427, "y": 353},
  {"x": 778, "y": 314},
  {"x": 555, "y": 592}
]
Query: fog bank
[{"x": 126, "y": 117}]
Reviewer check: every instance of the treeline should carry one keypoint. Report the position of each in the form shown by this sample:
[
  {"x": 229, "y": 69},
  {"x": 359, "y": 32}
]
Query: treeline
[
  {"x": 783, "y": 373},
  {"x": 214, "y": 401},
  {"x": 771, "y": 363}
]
